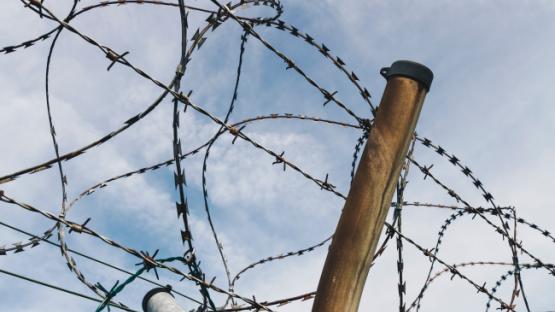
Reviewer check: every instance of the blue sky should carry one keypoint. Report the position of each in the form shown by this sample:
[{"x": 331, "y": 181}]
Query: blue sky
[{"x": 490, "y": 104}]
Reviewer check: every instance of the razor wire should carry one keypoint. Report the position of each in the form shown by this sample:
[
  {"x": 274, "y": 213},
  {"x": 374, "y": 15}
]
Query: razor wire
[{"x": 496, "y": 217}]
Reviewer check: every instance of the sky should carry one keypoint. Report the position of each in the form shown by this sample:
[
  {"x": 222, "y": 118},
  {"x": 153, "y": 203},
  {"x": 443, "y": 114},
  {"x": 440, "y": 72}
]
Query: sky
[{"x": 490, "y": 104}]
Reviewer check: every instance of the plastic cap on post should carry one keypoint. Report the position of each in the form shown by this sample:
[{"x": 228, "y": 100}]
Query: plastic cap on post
[
  {"x": 411, "y": 70},
  {"x": 162, "y": 300}
]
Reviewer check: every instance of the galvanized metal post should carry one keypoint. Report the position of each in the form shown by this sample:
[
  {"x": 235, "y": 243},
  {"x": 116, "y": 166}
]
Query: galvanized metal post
[
  {"x": 160, "y": 300},
  {"x": 363, "y": 216}
]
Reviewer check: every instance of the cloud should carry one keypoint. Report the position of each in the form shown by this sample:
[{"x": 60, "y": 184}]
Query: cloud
[{"x": 490, "y": 104}]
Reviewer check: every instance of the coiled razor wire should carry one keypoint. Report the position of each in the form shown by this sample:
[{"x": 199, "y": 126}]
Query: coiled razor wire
[{"x": 502, "y": 220}]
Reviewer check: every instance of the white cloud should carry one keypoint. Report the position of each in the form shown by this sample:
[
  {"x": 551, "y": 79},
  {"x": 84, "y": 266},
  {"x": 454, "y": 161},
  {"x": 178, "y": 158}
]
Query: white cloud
[{"x": 490, "y": 104}]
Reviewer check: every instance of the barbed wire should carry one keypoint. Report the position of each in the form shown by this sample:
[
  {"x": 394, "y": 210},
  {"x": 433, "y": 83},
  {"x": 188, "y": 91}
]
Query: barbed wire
[{"x": 496, "y": 217}]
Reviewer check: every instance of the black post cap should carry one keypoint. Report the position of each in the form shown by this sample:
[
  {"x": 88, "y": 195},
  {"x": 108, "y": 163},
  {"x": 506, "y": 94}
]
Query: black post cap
[{"x": 411, "y": 70}]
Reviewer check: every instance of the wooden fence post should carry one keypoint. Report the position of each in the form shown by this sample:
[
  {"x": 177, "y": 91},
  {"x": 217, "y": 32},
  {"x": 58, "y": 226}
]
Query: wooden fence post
[{"x": 363, "y": 216}]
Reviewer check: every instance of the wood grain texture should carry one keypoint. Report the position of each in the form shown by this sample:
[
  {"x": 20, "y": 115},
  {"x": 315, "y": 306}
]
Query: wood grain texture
[{"x": 361, "y": 222}]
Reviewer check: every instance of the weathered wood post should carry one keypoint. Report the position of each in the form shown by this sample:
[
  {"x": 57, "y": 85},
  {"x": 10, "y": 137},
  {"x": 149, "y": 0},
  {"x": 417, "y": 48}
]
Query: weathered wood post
[{"x": 363, "y": 216}]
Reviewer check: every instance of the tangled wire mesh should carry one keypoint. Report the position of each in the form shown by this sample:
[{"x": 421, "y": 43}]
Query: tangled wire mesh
[{"x": 503, "y": 220}]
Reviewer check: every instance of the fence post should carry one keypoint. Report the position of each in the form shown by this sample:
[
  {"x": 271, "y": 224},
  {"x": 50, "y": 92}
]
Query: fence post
[
  {"x": 160, "y": 300},
  {"x": 363, "y": 216}
]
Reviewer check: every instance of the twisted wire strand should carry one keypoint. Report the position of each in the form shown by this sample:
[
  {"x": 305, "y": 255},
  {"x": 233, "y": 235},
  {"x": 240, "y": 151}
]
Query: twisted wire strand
[
  {"x": 67, "y": 291},
  {"x": 94, "y": 259}
]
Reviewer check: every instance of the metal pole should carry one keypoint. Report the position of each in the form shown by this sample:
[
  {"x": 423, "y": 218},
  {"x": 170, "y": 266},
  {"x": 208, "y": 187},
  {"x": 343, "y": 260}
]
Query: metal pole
[
  {"x": 160, "y": 300},
  {"x": 361, "y": 222}
]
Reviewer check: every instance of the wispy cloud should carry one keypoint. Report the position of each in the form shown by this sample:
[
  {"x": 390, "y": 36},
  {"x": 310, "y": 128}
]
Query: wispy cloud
[{"x": 490, "y": 104}]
